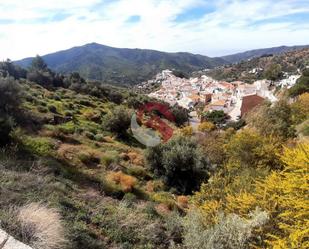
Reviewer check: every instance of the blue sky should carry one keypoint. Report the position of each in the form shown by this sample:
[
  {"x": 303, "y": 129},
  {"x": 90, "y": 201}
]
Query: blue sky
[{"x": 206, "y": 27}]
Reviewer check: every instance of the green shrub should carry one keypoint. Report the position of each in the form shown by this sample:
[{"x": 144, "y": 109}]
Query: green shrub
[
  {"x": 10, "y": 95},
  {"x": 118, "y": 121},
  {"x": 180, "y": 114},
  {"x": 177, "y": 162},
  {"x": 165, "y": 198},
  {"x": 88, "y": 158},
  {"x": 42, "y": 109},
  {"x": 52, "y": 108},
  {"x": 67, "y": 128},
  {"x": 86, "y": 103},
  {"x": 57, "y": 97},
  {"x": 89, "y": 135},
  {"x": 6, "y": 126},
  {"x": 304, "y": 129},
  {"x": 42, "y": 103},
  {"x": 137, "y": 171},
  {"x": 216, "y": 117},
  {"x": 99, "y": 138},
  {"x": 129, "y": 198},
  {"x": 68, "y": 114},
  {"x": 29, "y": 98},
  {"x": 37, "y": 145},
  {"x": 110, "y": 157}
]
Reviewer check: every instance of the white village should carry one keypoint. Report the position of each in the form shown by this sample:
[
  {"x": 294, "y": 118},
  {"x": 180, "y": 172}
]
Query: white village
[{"x": 233, "y": 98}]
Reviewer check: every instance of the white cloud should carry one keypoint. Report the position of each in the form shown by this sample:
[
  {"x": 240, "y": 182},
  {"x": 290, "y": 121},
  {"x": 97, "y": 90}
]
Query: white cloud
[{"x": 231, "y": 27}]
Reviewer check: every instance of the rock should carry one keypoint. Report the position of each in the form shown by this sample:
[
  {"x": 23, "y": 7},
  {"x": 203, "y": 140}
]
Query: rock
[{"x": 8, "y": 242}]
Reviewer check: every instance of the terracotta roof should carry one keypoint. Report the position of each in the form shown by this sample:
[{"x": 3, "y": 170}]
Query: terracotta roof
[{"x": 249, "y": 102}]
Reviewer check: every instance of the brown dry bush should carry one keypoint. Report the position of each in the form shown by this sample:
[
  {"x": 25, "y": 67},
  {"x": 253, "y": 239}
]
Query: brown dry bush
[
  {"x": 126, "y": 182},
  {"x": 182, "y": 201}
]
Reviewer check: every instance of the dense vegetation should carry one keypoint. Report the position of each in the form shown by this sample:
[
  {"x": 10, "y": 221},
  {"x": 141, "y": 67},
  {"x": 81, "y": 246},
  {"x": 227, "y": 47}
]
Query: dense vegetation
[{"x": 73, "y": 176}]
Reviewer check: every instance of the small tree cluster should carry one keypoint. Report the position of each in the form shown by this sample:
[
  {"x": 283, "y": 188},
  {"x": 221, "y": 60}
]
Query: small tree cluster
[
  {"x": 41, "y": 74},
  {"x": 7, "y": 68}
]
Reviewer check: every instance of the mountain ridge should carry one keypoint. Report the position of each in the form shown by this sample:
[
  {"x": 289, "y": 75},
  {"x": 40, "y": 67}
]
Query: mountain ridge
[
  {"x": 122, "y": 65},
  {"x": 127, "y": 66}
]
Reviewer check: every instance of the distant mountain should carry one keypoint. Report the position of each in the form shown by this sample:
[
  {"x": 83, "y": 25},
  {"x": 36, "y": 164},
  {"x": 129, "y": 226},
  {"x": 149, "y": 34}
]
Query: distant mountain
[
  {"x": 234, "y": 58},
  {"x": 121, "y": 65}
]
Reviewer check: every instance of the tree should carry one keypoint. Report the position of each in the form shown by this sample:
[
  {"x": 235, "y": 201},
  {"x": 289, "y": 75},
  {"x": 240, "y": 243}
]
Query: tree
[
  {"x": 181, "y": 115},
  {"x": 118, "y": 120},
  {"x": 6, "y": 126},
  {"x": 41, "y": 74},
  {"x": 10, "y": 95},
  {"x": 38, "y": 64},
  {"x": 40, "y": 77},
  {"x": 273, "y": 72},
  {"x": 7, "y": 68},
  {"x": 178, "y": 162},
  {"x": 216, "y": 117},
  {"x": 10, "y": 99}
]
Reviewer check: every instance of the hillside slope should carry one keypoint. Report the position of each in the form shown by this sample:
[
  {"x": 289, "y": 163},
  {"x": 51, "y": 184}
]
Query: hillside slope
[
  {"x": 259, "y": 68},
  {"x": 234, "y": 58},
  {"x": 121, "y": 65}
]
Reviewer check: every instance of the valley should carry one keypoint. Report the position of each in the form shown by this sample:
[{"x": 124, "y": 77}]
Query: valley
[{"x": 68, "y": 153}]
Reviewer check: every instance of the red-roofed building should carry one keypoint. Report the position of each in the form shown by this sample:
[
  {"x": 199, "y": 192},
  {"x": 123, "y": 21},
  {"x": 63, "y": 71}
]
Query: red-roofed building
[{"x": 249, "y": 102}]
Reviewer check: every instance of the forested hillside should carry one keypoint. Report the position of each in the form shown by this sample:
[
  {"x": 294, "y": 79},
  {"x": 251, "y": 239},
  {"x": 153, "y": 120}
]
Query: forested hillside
[{"x": 120, "y": 65}]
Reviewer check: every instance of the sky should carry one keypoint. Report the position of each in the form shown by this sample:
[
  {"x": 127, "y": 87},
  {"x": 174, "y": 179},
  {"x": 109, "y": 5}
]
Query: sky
[{"x": 212, "y": 28}]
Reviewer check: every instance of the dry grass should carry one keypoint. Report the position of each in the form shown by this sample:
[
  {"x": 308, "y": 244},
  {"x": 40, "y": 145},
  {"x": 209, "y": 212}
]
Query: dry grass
[
  {"x": 135, "y": 158},
  {"x": 126, "y": 182},
  {"x": 41, "y": 226}
]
